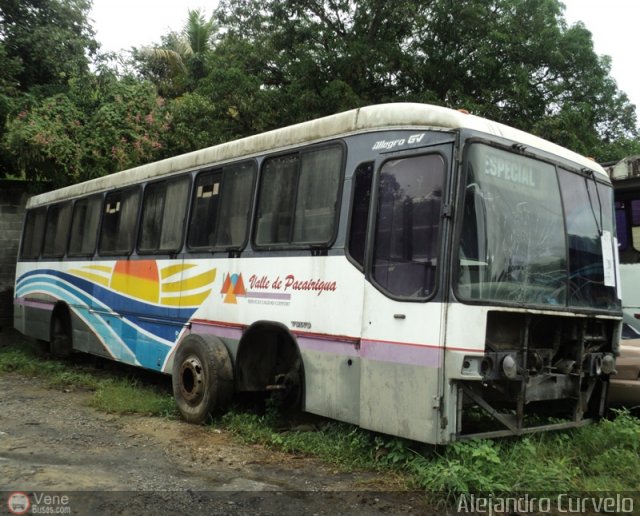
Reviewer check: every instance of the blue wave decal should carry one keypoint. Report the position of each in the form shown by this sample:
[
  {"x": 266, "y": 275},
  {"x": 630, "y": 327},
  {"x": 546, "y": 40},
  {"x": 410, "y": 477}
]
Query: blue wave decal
[
  {"x": 158, "y": 320},
  {"x": 131, "y": 338}
]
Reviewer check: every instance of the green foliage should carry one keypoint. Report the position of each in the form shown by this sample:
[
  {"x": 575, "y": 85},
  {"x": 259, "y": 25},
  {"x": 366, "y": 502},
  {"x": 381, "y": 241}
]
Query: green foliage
[
  {"x": 113, "y": 393},
  {"x": 122, "y": 396},
  {"x": 256, "y": 65},
  {"x": 514, "y": 61},
  {"x": 101, "y": 125},
  {"x": 50, "y": 39},
  {"x": 194, "y": 124},
  {"x": 177, "y": 64}
]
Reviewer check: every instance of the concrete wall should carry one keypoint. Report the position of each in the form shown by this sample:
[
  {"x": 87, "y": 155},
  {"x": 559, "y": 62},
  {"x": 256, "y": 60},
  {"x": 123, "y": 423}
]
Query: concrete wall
[{"x": 13, "y": 197}]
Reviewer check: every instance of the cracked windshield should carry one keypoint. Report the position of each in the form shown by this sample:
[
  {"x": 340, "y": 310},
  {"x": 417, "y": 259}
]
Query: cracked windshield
[{"x": 513, "y": 243}]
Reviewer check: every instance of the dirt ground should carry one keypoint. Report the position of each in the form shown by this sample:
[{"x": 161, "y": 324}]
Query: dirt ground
[{"x": 52, "y": 443}]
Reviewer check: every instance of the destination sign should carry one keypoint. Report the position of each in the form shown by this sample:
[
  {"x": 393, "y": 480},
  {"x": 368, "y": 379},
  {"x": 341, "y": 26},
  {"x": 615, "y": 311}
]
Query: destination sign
[{"x": 514, "y": 170}]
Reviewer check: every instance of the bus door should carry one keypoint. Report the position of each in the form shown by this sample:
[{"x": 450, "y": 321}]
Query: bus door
[{"x": 401, "y": 352}]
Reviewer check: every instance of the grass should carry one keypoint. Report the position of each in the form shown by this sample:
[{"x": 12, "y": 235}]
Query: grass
[
  {"x": 600, "y": 457},
  {"x": 122, "y": 390}
]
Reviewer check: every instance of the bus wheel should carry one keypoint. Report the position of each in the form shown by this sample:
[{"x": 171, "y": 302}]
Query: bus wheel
[
  {"x": 202, "y": 377},
  {"x": 60, "y": 344}
]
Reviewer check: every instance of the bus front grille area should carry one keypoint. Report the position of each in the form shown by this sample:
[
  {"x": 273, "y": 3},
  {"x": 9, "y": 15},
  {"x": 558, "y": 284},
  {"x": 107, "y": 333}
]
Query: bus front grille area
[{"x": 539, "y": 372}]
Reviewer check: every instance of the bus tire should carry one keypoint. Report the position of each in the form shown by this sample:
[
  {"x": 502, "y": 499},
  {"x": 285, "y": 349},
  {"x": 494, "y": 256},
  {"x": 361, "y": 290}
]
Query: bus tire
[
  {"x": 202, "y": 377},
  {"x": 60, "y": 343}
]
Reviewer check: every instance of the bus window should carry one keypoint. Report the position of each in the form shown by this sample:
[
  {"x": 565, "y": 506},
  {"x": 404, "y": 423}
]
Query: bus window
[
  {"x": 33, "y": 233},
  {"x": 317, "y": 199},
  {"x": 57, "y": 231},
  {"x": 163, "y": 213},
  {"x": 204, "y": 211},
  {"x": 84, "y": 226},
  {"x": 360, "y": 211},
  {"x": 118, "y": 230},
  {"x": 588, "y": 215},
  {"x": 407, "y": 225},
  {"x": 298, "y": 198},
  {"x": 221, "y": 206},
  {"x": 275, "y": 204},
  {"x": 234, "y": 205}
]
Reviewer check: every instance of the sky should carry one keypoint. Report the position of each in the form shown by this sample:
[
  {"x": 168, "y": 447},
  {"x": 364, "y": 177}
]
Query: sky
[{"x": 122, "y": 24}]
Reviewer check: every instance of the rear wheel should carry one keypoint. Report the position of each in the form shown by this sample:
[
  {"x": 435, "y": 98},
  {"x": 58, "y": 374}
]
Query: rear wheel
[{"x": 202, "y": 377}]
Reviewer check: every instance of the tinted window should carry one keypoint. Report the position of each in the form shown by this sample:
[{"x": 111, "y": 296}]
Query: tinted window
[
  {"x": 298, "y": 198},
  {"x": 163, "y": 215},
  {"x": 57, "y": 230},
  {"x": 84, "y": 226},
  {"x": 360, "y": 211},
  {"x": 407, "y": 225},
  {"x": 221, "y": 206},
  {"x": 589, "y": 221},
  {"x": 317, "y": 196},
  {"x": 33, "y": 233},
  {"x": 117, "y": 234},
  {"x": 235, "y": 205}
]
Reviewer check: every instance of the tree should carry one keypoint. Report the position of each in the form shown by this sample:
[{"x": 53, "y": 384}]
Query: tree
[
  {"x": 514, "y": 61},
  {"x": 52, "y": 41},
  {"x": 101, "y": 125},
  {"x": 179, "y": 62}
]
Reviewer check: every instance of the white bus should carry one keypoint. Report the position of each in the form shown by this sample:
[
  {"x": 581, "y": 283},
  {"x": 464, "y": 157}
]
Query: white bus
[{"x": 402, "y": 267}]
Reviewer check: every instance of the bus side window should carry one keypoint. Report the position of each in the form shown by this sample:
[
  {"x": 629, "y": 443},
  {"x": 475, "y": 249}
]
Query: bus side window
[
  {"x": 33, "y": 233},
  {"x": 204, "y": 210},
  {"x": 164, "y": 208},
  {"x": 84, "y": 226},
  {"x": 57, "y": 231},
  {"x": 360, "y": 211},
  {"x": 117, "y": 234},
  {"x": 407, "y": 225},
  {"x": 318, "y": 196},
  {"x": 275, "y": 202},
  {"x": 235, "y": 205},
  {"x": 298, "y": 197}
]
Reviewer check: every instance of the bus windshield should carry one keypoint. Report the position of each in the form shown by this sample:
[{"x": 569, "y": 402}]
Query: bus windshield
[{"x": 534, "y": 234}]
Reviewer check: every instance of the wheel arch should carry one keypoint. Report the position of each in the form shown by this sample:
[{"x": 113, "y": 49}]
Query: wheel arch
[{"x": 267, "y": 352}]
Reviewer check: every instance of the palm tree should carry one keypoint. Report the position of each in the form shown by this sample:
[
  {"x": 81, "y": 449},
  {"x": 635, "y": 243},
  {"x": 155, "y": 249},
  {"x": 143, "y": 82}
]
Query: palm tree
[{"x": 177, "y": 65}]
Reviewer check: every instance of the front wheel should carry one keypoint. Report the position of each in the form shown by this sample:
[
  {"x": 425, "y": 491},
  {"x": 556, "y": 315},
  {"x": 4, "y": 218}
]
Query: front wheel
[{"x": 202, "y": 377}]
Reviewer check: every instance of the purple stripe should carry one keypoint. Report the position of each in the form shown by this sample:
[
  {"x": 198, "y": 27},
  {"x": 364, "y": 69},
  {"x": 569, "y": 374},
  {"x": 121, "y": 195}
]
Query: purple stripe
[
  {"x": 219, "y": 331},
  {"x": 268, "y": 295},
  {"x": 42, "y": 305},
  {"x": 401, "y": 353},
  {"x": 347, "y": 349}
]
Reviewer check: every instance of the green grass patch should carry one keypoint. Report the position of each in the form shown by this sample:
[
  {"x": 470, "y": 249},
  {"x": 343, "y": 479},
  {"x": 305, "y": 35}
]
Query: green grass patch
[
  {"x": 597, "y": 457},
  {"x": 125, "y": 396},
  {"x": 116, "y": 391}
]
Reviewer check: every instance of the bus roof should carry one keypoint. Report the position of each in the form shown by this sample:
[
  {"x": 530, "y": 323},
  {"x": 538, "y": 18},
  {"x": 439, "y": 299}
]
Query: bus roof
[{"x": 370, "y": 118}]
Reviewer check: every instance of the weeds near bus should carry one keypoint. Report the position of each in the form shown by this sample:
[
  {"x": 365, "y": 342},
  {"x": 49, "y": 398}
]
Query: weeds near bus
[
  {"x": 112, "y": 393},
  {"x": 593, "y": 458}
]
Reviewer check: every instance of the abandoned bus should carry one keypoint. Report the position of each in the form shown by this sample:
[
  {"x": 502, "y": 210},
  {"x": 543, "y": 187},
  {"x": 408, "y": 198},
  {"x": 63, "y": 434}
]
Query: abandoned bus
[
  {"x": 401, "y": 267},
  {"x": 625, "y": 176}
]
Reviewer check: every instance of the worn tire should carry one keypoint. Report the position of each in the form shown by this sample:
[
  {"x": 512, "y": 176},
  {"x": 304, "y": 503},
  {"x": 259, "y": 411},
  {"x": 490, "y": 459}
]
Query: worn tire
[{"x": 202, "y": 377}]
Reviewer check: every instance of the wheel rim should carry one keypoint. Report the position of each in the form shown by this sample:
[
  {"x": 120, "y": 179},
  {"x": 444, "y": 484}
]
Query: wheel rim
[{"x": 192, "y": 379}]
